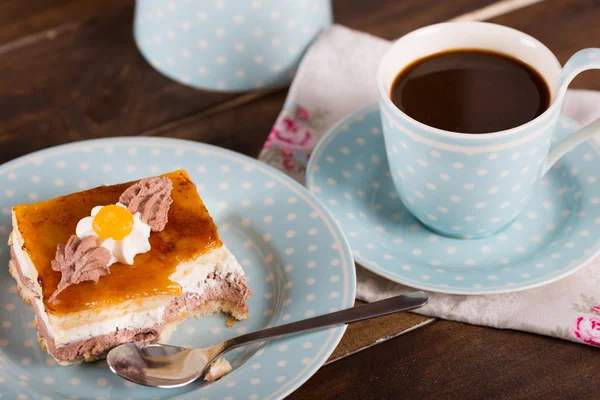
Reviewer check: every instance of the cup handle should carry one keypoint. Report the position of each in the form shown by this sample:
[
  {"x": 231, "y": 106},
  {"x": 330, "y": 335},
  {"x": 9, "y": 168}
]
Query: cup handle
[{"x": 581, "y": 61}]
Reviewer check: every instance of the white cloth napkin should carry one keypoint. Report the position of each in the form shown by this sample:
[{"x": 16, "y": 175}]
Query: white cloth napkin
[{"x": 337, "y": 77}]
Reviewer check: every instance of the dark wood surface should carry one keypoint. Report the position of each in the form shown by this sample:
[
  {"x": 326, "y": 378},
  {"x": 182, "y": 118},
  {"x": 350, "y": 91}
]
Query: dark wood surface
[
  {"x": 565, "y": 26},
  {"x": 21, "y": 20},
  {"x": 94, "y": 83},
  {"x": 449, "y": 360},
  {"x": 70, "y": 71},
  {"x": 372, "y": 332}
]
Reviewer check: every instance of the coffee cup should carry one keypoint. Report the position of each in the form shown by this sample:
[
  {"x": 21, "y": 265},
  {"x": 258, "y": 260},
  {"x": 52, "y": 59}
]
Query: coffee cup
[{"x": 466, "y": 185}]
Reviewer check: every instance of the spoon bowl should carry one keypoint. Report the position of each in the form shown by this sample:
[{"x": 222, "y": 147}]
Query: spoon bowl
[{"x": 161, "y": 365}]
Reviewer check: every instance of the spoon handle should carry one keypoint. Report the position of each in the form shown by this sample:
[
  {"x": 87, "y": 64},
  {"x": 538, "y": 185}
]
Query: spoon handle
[{"x": 403, "y": 302}]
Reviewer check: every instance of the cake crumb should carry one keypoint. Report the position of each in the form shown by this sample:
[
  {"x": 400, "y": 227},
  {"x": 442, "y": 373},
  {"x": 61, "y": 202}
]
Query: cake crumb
[
  {"x": 230, "y": 322},
  {"x": 219, "y": 369}
]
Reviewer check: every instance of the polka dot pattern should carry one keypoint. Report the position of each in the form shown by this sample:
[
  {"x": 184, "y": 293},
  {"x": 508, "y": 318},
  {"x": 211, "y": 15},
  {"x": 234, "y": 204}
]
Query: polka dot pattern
[
  {"x": 556, "y": 229},
  {"x": 477, "y": 178},
  {"x": 272, "y": 250},
  {"x": 228, "y": 45}
]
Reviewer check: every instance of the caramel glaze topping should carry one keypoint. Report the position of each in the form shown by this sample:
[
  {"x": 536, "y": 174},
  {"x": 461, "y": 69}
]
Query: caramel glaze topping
[{"x": 189, "y": 233}]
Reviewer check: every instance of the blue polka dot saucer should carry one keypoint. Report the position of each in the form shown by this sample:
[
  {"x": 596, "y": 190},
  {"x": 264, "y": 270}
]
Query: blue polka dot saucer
[
  {"x": 553, "y": 237},
  {"x": 296, "y": 259}
]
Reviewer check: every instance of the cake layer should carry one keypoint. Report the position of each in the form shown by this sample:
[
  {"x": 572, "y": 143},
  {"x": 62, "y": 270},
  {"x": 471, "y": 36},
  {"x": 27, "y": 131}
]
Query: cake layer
[
  {"x": 93, "y": 335},
  {"x": 213, "y": 275},
  {"x": 189, "y": 233}
]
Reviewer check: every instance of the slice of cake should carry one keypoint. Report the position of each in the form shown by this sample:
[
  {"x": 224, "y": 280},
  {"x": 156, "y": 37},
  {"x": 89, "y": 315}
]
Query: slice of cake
[{"x": 121, "y": 263}]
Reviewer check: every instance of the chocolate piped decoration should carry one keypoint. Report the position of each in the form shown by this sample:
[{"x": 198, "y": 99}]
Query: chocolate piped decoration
[
  {"x": 151, "y": 197},
  {"x": 79, "y": 261}
]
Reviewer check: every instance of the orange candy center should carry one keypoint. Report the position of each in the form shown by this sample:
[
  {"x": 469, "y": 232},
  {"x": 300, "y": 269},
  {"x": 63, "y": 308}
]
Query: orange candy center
[{"x": 113, "y": 222}]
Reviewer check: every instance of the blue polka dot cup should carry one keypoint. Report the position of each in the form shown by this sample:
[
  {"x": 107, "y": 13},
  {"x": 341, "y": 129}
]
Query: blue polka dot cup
[
  {"x": 471, "y": 186},
  {"x": 228, "y": 45}
]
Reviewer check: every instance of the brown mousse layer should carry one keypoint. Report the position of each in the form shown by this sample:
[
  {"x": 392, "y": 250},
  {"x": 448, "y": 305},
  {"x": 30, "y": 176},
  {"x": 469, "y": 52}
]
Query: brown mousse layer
[{"x": 220, "y": 295}]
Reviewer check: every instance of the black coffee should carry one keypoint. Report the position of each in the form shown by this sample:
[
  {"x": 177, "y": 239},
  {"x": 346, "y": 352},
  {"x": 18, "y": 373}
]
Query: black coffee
[{"x": 470, "y": 91}]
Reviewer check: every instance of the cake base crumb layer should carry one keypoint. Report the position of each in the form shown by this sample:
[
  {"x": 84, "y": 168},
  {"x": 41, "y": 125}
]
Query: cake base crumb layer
[
  {"x": 221, "y": 295},
  {"x": 219, "y": 369}
]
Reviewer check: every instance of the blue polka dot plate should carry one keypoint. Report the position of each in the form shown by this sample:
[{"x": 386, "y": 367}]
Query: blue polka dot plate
[
  {"x": 553, "y": 237},
  {"x": 297, "y": 261}
]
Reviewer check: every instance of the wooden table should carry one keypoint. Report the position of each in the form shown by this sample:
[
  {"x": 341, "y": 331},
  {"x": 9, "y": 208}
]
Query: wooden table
[{"x": 70, "y": 71}]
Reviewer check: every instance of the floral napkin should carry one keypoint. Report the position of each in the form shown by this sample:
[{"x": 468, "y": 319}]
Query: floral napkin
[{"x": 337, "y": 77}]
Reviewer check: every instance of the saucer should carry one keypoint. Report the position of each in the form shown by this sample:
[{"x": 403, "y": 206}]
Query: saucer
[
  {"x": 296, "y": 259},
  {"x": 553, "y": 237}
]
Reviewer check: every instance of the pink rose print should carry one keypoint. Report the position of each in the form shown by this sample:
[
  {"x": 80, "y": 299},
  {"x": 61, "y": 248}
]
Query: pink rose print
[
  {"x": 291, "y": 134},
  {"x": 302, "y": 113},
  {"x": 288, "y": 159},
  {"x": 269, "y": 142},
  {"x": 596, "y": 309},
  {"x": 587, "y": 330},
  {"x": 287, "y": 153},
  {"x": 289, "y": 125},
  {"x": 289, "y": 163}
]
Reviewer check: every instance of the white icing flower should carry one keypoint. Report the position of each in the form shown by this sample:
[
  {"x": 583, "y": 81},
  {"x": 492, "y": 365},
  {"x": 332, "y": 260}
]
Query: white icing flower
[{"x": 123, "y": 234}]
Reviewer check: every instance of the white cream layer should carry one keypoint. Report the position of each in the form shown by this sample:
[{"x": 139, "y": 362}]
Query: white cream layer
[{"x": 133, "y": 314}]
